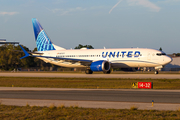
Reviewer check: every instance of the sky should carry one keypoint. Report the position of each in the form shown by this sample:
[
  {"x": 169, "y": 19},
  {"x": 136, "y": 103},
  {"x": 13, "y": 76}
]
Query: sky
[{"x": 100, "y": 23}]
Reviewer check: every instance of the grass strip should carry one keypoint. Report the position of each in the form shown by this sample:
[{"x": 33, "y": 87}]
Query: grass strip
[
  {"x": 93, "y": 83},
  {"x": 113, "y": 72},
  {"x": 76, "y": 113}
]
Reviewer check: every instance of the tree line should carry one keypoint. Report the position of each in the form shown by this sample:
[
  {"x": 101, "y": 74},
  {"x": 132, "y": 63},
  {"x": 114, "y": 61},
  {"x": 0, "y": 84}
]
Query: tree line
[{"x": 10, "y": 58}]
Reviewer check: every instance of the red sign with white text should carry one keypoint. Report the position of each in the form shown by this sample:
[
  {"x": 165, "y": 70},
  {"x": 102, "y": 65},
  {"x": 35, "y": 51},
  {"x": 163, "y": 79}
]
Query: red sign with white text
[{"x": 145, "y": 85}]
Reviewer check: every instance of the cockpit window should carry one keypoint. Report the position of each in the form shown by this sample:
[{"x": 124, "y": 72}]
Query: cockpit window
[{"x": 159, "y": 54}]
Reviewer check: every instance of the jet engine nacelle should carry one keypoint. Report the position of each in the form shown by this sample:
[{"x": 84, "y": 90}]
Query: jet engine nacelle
[{"x": 101, "y": 65}]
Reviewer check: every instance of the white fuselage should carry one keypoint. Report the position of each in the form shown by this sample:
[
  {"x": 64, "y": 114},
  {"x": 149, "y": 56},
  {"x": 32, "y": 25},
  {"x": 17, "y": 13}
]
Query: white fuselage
[{"x": 119, "y": 58}]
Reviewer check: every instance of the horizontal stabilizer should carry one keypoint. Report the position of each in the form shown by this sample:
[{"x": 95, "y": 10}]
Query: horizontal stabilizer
[
  {"x": 25, "y": 52},
  {"x": 28, "y": 52}
]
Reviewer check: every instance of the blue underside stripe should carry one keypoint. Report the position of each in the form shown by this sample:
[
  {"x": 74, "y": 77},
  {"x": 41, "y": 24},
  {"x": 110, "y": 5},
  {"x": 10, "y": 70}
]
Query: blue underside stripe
[{"x": 120, "y": 61}]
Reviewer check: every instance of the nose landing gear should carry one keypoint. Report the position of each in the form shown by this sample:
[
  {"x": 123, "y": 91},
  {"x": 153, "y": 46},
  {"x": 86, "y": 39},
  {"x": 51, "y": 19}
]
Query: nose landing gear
[{"x": 156, "y": 72}]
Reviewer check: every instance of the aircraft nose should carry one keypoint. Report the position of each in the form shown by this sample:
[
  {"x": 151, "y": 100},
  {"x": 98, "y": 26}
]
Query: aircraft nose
[{"x": 169, "y": 59}]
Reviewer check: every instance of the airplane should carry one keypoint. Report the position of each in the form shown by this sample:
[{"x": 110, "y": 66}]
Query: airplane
[{"x": 94, "y": 59}]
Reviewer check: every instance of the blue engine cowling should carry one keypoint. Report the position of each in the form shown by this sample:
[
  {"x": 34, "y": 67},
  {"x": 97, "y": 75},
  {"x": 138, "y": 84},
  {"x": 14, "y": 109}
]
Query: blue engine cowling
[{"x": 101, "y": 65}]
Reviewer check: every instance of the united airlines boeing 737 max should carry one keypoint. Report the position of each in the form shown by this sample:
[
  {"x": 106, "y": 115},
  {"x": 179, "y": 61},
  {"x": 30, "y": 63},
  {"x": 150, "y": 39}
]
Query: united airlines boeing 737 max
[{"x": 95, "y": 59}]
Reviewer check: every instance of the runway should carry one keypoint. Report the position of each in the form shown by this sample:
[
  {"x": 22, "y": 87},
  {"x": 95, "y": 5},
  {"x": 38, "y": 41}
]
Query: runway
[
  {"x": 96, "y": 95},
  {"x": 102, "y": 98},
  {"x": 83, "y": 75}
]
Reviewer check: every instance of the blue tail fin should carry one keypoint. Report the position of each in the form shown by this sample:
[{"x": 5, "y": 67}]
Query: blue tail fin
[{"x": 42, "y": 41}]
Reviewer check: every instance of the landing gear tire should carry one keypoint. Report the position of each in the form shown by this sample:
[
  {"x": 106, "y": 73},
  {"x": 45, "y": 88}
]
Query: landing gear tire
[
  {"x": 156, "y": 72},
  {"x": 88, "y": 71},
  {"x": 107, "y": 72}
]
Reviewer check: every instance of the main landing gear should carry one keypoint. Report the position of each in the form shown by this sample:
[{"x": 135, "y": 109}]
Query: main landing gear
[
  {"x": 88, "y": 71},
  {"x": 156, "y": 72}
]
